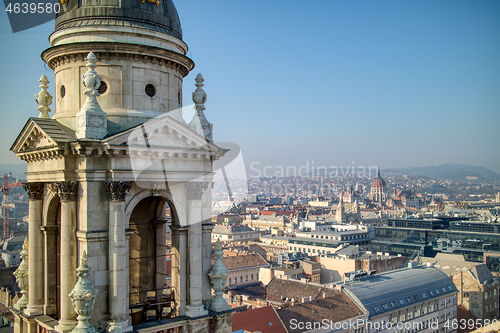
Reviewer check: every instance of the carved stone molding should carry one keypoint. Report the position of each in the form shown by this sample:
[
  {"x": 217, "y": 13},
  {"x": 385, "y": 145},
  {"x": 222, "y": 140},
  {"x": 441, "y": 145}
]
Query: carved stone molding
[
  {"x": 34, "y": 190},
  {"x": 195, "y": 190},
  {"x": 117, "y": 190},
  {"x": 66, "y": 190}
]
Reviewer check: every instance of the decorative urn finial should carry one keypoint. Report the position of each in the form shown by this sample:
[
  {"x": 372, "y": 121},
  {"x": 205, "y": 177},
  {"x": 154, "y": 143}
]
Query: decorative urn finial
[
  {"x": 199, "y": 95},
  {"x": 218, "y": 276},
  {"x": 21, "y": 275},
  {"x": 83, "y": 297},
  {"x": 91, "y": 121},
  {"x": 43, "y": 98},
  {"x": 199, "y": 123}
]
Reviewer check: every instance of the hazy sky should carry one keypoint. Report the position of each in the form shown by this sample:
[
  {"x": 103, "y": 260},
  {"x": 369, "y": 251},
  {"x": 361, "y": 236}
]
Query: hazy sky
[{"x": 389, "y": 83}]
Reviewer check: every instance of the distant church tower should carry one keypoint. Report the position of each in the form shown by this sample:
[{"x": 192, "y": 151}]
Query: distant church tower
[{"x": 101, "y": 170}]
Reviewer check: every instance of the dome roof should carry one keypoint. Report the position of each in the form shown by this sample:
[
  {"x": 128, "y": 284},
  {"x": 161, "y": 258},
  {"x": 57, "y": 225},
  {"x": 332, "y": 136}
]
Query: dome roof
[
  {"x": 378, "y": 182},
  {"x": 157, "y": 15}
]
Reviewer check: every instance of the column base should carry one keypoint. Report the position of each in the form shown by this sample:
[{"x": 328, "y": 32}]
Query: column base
[
  {"x": 119, "y": 327},
  {"x": 65, "y": 326},
  {"x": 195, "y": 311},
  {"x": 34, "y": 310}
]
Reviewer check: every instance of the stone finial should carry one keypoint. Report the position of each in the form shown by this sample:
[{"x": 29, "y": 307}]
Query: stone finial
[
  {"x": 43, "y": 98},
  {"x": 199, "y": 123},
  {"x": 218, "y": 276},
  {"x": 83, "y": 297},
  {"x": 21, "y": 275},
  {"x": 91, "y": 121},
  {"x": 199, "y": 95}
]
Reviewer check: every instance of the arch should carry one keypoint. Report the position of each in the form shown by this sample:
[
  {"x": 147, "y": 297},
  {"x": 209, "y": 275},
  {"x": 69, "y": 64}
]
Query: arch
[
  {"x": 178, "y": 212},
  {"x": 51, "y": 219},
  {"x": 147, "y": 246}
]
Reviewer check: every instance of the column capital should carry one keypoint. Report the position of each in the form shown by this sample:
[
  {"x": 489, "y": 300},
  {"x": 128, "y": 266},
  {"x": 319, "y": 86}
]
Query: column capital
[
  {"x": 179, "y": 228},
  {"x": 194, "y": 190},
  {"x": 34, "y": 190},
  {"x": 66, "y": 190},
  {"x": 117, "y": 190},
  {"x": 207, "y": 227}
]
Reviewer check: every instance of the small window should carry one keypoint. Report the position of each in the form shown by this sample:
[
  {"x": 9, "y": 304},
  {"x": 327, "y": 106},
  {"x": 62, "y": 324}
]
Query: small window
[
  {"x": 385, "y": 306},
  {"x": 423, "y": 295},
  {"x": 408, "y": 299},
  {"x": 376, "y": 309},
  {"x": 63, "y": 91},
  {"x": 150, "y": 90},
  {"x": 443, "y": 289},
  {"x": 450, "y": 288},
  {"x": 431, "y": 293},
  {"x": 393, "y": 305},
  {"x": 401, "y": 302}
]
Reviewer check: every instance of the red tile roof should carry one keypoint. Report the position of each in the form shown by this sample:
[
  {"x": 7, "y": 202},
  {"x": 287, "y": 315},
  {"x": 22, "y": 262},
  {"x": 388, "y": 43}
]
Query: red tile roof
[{"x": 264, "y": 319}]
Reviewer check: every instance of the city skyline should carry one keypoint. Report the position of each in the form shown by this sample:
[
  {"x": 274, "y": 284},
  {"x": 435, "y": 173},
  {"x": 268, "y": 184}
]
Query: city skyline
[{"x": 338, "y": 83}]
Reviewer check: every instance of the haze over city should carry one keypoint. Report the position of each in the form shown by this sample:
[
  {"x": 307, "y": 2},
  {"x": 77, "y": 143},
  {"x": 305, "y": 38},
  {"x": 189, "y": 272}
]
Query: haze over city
[{"x": 337, "y": 83}]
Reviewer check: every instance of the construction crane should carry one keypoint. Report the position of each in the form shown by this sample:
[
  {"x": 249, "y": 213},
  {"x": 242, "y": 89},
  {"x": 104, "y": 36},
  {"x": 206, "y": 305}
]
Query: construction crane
[{"x": 5, "y": 190}]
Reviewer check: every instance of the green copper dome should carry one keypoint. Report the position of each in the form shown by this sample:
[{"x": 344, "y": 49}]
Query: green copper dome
[{"x": 157, "y": 15}]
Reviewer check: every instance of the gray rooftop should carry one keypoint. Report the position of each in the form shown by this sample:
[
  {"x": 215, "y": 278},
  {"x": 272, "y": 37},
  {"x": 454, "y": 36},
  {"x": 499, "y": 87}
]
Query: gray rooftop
[{"x": 400, "y": 288}]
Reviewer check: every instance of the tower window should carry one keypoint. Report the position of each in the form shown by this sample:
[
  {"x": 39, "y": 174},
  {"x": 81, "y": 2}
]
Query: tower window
[
  {"x": 150, "y": 90},
  {"x": 63, "y": 91},
  {"x": 102, "y": 88}
]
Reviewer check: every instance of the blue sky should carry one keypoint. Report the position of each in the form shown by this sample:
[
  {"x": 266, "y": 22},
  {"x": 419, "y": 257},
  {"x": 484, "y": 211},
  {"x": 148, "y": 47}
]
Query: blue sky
[{"x": 389, "y": 83}]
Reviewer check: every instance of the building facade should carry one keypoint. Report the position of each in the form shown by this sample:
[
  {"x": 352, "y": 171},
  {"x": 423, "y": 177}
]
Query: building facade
[{"x": 101, "y": 171}]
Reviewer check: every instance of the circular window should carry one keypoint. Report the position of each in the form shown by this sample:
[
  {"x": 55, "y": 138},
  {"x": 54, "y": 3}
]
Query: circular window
[
  {"x": 63, "y": 91},
  {"x": 102, "y": 88},
  {"x": 150, "y": 90}
]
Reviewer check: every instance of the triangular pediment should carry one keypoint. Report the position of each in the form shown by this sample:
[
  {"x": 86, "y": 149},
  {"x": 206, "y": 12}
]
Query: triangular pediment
[
  {"x": 163, "y": 133},
  {"x": 40, "y": 134}
]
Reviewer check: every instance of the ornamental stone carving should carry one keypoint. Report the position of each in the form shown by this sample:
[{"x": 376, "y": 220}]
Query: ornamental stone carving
[
  {"x": 43, "y": 98},
  {"x": 199, "y": 123},
  {"x": 34, "y": 190},
  {"x": 66, "y": 190},
  {"x": 83, "y": 298},
  {"x": 218, "y": 276},
  {"x": 194, "y": 190},
  {"x": 91, "y": 121},
  {"x": 21, "y": 275},
  {"x": 117, "y": 190}
]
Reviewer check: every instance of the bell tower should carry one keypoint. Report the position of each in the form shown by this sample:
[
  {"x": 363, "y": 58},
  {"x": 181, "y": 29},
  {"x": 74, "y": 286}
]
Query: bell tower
[{"x": 103, "y": 169}]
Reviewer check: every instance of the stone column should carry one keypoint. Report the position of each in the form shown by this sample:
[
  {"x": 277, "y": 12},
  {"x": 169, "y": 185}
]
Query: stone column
[
  {"x": 50, "y": 271},
  {"x": 67, "y": 194},
  {"x": 118, "y": 258},
  {"x": 194, "y": 193},
  {"x": 35, "y": 302},
  {"x": 179, "y": 268},
  {"x": 207, "y": 263}
]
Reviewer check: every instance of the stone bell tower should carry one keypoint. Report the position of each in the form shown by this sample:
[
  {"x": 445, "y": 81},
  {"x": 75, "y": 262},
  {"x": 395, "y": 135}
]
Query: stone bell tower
[{"x": 102, "y": 170}]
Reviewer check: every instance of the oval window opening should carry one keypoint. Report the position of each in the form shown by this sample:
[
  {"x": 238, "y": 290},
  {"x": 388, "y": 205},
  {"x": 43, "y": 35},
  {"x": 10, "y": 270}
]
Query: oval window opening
[
  {"x": 150, "y": 90},
  {"x": 102, "y": 88},
  {"x": 63, "y": 91}
]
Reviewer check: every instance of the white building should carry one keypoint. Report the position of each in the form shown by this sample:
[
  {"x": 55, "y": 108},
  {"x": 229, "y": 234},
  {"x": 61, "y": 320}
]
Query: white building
[{"x": 418, "y": 299}]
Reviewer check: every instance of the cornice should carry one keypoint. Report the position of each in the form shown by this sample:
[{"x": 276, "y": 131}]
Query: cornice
[{"x": 77, "y": 52}]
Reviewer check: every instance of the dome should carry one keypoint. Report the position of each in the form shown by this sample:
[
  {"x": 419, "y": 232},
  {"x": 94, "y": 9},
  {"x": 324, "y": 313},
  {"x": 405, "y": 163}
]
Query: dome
[
  {"x": 378, "y": 182},
  {"x": 157, "y": 15}
]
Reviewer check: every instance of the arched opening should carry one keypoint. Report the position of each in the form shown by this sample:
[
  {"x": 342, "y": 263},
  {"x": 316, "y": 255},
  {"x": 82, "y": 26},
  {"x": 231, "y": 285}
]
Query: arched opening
[
  {"x": 149, "y": 250},
  {"x": 51, "y": 230}
]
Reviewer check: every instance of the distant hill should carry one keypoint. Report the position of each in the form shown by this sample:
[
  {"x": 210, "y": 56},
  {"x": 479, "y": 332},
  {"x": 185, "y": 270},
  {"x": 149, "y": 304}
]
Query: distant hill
[
  {"x": 17, "y": 170},
  {"x": 451, "y": 171}
]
